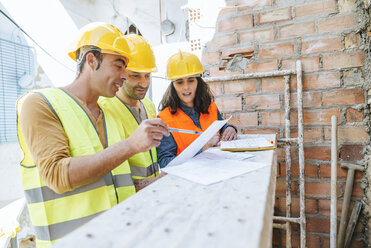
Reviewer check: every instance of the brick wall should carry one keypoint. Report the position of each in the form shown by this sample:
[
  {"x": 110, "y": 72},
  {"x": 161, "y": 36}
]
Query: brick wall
[{"x": 327, "y": 37}]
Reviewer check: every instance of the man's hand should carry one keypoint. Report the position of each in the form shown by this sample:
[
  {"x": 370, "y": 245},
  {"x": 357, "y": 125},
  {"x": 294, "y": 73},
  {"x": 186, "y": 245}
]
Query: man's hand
[
  {"x": 142, "y": 183},
  {"x": 212, "y": 142},
  {"x": 229, "y": 134},
  {"x": 148, "y": 134}
]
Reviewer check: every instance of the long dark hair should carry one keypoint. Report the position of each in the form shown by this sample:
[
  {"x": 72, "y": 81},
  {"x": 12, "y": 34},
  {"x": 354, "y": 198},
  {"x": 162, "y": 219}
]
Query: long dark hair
[{"x": 202, "y": 100}]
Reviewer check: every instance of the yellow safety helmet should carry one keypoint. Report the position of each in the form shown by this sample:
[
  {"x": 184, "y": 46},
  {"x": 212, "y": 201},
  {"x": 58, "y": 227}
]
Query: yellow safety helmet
[
  {"x": 142, "y": 57},
  {"x": 183, "y": 64},
  {"x": 104, "y": 36}
]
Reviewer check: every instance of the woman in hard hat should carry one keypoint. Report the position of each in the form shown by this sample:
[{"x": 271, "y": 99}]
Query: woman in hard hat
[{"x": 188, "y": 104}]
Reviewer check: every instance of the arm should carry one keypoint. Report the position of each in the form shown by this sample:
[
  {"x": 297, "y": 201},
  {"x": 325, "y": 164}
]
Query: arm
[
  {"x": 87, "y": 169},
  {"x": 48, "y": 145},
  {"x": 228, "y": 131},
  {"x": 166, "y": 151}
]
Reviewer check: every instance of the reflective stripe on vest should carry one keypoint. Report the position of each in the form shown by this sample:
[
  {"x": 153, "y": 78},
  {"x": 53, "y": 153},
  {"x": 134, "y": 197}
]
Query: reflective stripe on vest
[
  {"x": 144, "y": 164},
  {"x": 183, "y": 121},
  {"x": 54, "y": 215}
]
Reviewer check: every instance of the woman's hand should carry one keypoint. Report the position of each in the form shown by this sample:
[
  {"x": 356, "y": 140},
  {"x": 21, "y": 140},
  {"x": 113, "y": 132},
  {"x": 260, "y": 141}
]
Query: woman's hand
[
  {"x": 212, "y": 142},
  {"x": 229, "y": 134}
]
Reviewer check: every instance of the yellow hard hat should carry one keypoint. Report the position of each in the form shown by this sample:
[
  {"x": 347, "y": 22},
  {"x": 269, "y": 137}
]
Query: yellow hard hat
[
  {"x": 104, "y": 36},
  {"x": 142, "y": 57},
  {"x": 183, "y": 64}
]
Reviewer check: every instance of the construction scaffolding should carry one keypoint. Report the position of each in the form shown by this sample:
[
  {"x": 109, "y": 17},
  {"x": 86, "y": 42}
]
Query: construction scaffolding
[{"x": 287, "y": 141}]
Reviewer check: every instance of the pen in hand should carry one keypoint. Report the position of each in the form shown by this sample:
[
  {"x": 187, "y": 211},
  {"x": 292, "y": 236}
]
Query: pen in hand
[{"x": 177, "y": 130}]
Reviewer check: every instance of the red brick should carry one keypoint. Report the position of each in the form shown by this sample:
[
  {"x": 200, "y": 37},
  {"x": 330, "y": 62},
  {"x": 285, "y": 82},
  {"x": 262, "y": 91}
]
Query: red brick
[
  {"x": 262, "y": 66},
  {"x": 262, "y": 102},
  {"x": 273, "y": 84},
  {"x": 324, "y": 206},
  {"x": 281, "y": 188},
  {"x": 351, "y": 134},
  {"x": 261, "y": 131},
  {"x": 353, "y": 40},
  {"x": 215, "y": 71},
  {"x": 260, "y": 35},
  {"x": 216, "y": 88},
  {"x": 210, "y": 58},
  {"x": 310, "y": 99},
  {"x": 310, "y": 170},
  {"x": 357, "y": 191},
  {"x": 320, "y": 116},
  {"x": 276, "y": 50},
  {"x": 244, "y": 119},
  {"x": 220, "y": 41},
  {"x": 236, "y": 23},
  {"x": 277, "y": 118},
  {"x": 317, "y": 153},
  {"x": 315, "y": 8},
  {"x": 325, "y": 45},
  {"x": 229, "y": 104},
  {"x": 317, "y": 189},
  {"x": 276, "y": 237},
  {"x": 252, "y": 4},
  {"x": 318, "y": 225},
  {"x": 247, "y": 51},
  {"x": 281, "y": 153},
  {"x": 226, "y": 11},
  {"x": 310, "y": 205},
  {"x": 311, "y": 134},
  {"x": 354, "y": 115},
  {"x": 343, "y": 60},
  {"x": 351, "y": 152},
  {"x": 243, "y": 86},
  {"x": 308, "y": 64},
  {"x": 321, "y": 80},
  {"x": 296, "y": 30},
  {"x": 343, "y": 97},
  {"x": 274, "y": 16},
  {"x": 325, "y": 171},
  {"x": 336, "y": 23}
]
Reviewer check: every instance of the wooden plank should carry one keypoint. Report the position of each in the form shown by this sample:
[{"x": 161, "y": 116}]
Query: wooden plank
[{"x": 173, "y": 212}]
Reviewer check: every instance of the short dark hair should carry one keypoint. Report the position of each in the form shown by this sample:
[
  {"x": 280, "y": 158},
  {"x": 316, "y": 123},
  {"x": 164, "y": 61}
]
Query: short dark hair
[
  {"x": 81, "y": 61},
  {"x": 204, "y": 97}
]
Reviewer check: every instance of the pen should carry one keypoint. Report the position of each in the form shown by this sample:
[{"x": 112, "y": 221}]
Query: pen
[{"x": 177, "y": 130}]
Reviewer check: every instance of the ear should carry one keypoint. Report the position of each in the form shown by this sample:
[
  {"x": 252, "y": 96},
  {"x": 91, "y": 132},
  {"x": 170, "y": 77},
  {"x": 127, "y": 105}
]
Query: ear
[{"x": 91, "y": 61}]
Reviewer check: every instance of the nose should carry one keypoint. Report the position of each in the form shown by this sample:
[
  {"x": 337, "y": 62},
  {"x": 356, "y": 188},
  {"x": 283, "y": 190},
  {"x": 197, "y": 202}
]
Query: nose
[
  {"x": 124, "y": 74},
  {"x": 143, "y": 81}
]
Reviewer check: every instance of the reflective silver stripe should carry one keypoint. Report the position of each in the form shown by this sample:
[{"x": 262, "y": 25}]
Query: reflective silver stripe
[
  {"x": 144, "y": 171},
  {"x": 123, "y": 180},
  {"x": 44, "y": 193},
  {"x": 59, "y": 230}
]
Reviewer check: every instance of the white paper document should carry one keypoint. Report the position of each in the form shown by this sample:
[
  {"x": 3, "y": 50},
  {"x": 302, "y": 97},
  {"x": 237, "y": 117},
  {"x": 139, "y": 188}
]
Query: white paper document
[
  {"x": 196, "y": 145},
  {"x": 258, "y": 143},
  {"x": 211, "y": 167}
]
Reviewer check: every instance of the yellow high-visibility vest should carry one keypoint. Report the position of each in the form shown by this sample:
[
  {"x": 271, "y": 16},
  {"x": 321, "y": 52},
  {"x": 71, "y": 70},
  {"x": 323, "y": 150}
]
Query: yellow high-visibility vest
[
  {"x": 54, "y": 215},
  {"x": 144, "y": 164}
]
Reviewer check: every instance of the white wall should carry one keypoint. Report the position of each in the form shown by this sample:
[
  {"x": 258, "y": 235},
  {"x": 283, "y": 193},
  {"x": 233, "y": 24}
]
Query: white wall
[{"x": 10, "y": 180}]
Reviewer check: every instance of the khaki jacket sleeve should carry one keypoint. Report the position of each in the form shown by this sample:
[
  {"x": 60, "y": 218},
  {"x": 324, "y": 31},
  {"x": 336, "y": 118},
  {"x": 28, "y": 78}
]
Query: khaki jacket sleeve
[{"x": 48, "y": 144}]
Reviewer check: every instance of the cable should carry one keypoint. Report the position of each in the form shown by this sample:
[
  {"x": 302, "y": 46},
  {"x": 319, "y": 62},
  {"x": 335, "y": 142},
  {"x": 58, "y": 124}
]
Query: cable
[{"x": 10, "y": 19}]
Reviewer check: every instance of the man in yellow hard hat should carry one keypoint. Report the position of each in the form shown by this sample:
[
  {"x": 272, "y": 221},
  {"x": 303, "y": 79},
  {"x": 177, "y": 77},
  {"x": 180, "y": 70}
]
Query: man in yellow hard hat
[
  {"x": 131, "y": 107},
  {"x": 74, "y": 165}
]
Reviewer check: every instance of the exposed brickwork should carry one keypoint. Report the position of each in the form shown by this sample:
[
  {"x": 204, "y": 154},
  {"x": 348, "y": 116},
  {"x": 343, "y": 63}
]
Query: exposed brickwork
[
  {"x": 235, "y": 23},
  {"x": 315, "y": 8},
  {"x": 325, "y": 36}
]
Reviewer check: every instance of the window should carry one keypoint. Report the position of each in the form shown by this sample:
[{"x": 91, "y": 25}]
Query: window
[{"x": 16, "y": 61}]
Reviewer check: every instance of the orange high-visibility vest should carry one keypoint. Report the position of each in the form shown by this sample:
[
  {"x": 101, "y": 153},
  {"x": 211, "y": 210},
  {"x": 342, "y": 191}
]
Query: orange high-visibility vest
[{"x": 183, "y": 121}]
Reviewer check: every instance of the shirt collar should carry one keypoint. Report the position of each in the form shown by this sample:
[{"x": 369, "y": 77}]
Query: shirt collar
[{"x": 187, "y": 110}]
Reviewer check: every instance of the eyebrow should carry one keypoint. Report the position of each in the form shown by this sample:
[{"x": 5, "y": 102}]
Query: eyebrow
[{"x": 120, "y": 60}]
